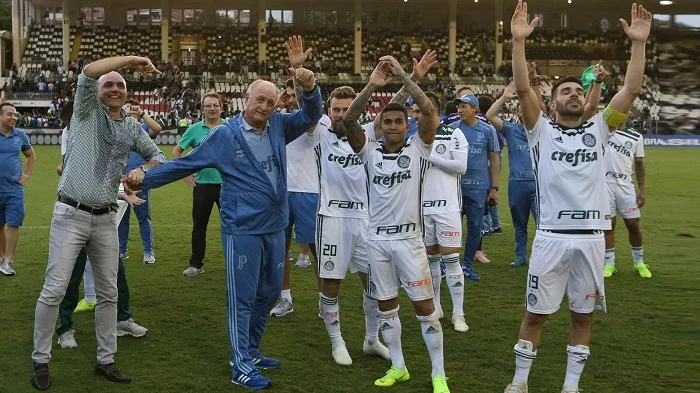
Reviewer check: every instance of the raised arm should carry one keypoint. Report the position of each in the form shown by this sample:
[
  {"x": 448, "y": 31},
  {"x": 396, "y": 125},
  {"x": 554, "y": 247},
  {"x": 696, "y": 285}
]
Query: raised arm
[
  {"x": 420, "y": 68},
  {"x": 429, "y": 120},
  {"x": 638, "y": 32},
  {"x": 593, "y": 97},
  {"x": 353, "y": 131},
  {"x": 297, "y": 56},
  {"x": 529, "y": 101},
  {"x": 101, "y": 67},
  {"x": 301, "y": 121},
  {"x": 492, "y": 114}
]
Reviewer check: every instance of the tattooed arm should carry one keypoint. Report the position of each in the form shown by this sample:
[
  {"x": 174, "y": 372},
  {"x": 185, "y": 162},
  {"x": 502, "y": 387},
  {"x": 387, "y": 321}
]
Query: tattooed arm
[
  {"x": 420, "y": 69},
  {"x": 639, "y": 173}
]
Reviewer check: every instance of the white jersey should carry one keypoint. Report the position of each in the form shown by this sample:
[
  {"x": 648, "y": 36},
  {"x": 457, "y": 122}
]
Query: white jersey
[
  {"x": 343, "y": 180},
  {"x": 302, "y": 175},
  {"x": 395, "y": 182},
  {"x": 443, "y": 192},
  {"x": 570, "y": 173},
  {"x": 65, "y": 137},
  {"x": 623, "y": 148}
]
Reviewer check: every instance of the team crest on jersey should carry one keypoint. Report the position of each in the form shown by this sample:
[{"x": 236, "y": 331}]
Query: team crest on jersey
[
  {"x": 531, "y": 299},
  {"x": 480, "y": 136},
  {"x": 628, "y": 144},
  {"x": 440, "y": 148},
  {"x": 378, "y": 165},
  {"x": 404, "y": 161},
  {"x": 589, "y": 140},
  {"x": 328, "y": 265}
]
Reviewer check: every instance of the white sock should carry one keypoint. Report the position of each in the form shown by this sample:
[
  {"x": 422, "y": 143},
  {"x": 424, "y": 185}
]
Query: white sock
[
  {"x": 390, "y": 325},
  {"x": 286, "y": 294},
  {"x": 638, "y": 255},
  {"x": 524, "y": 355},
  {"x": 371, "y": 318},
  {"x": 432, "y": 335},
  {"x": 455, "y": 281},
  {"x": 610, "y": 256},
  {"x": 331, "y": 316},
  {"x": 575, "y": 364},
  {"x": 436, "y": 275},
  {"x": 89, "y": 283}
]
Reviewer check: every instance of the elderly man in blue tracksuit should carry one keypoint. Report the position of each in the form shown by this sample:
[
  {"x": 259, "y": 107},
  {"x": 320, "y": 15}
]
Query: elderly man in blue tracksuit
[{"x": 249, "y": 152}]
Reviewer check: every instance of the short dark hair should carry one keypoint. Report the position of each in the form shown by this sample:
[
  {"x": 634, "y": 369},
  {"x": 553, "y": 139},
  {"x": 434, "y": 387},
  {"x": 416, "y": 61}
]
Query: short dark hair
[
  {"x": 132, "y": 101},
  {"x": 394, "y": 107},
  {"x": 289, "y": 83},
  {"x": 434, "y": 99},
  {"x": 4, "y": 104},
  {"x": 341, "y": 93},
  {"x": 485, "y": 103},
  {"x": 450, "y": 108},
  {"x": 561, "y": 81},
  {"x": 66, "y": 109}
]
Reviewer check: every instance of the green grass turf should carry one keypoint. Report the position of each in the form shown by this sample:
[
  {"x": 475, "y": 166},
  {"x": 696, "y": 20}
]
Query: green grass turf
[{"x": 646, "y": 343}]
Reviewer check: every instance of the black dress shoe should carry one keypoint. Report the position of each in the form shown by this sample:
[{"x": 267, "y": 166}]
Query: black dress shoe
[
  {"x": 41, "y": 379},
  {"x": 112, "y": 372}
]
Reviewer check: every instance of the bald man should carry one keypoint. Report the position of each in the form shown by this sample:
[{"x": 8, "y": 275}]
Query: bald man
[
  {"x": 85, "y": 215},
  {"x": 249, "y": 152}
]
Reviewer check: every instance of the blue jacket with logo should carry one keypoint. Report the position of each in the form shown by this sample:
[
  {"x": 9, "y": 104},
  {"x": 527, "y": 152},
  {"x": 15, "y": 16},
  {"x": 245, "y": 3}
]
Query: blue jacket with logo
[{"x": 249, "y": 203}]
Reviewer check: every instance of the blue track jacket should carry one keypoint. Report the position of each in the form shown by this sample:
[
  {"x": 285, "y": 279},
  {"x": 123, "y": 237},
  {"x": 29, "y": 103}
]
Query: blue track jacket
[{"x": 249, "y": 203}]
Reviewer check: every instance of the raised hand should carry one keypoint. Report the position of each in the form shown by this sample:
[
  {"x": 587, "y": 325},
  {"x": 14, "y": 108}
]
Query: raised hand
[
  {"x": 420, "y": 68},
  {"x": 519, "y": 27},
  {"x": 546, "y": 88},
  {"x": 136, "y": 112},
  {"x": 144, "y": 64},
  {"x": 381, "y": 75},
  {"x": 396, "y": 68},
  {"x": 640, "y": 24},
  {"x": 304, "y": 78},
  {"x": 509, "y": 93},
  {"x": 295, "y": 51},
  {"x": 600, "y": 72}
]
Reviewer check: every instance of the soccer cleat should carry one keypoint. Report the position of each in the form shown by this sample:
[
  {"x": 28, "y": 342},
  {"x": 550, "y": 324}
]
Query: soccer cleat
[
  {"x": 643, "y": 270},
  {"x": 519, "y": 261},
  {"x": 130, "y": 328},
  {"x": 570, "y": 389},
  {"x": 459, "y": 323},
  {"x": 290, "y": 256},
  {"x": 149, "y": 258},
  {"x": 340, "y": 354},
  {"x": 516, "y": 388},
  {"x": 303, "y": 261},
  {"x": 608, "y": 270},
  {"x": 497, "y": 231},
  {"x": 7, "y": 268},
  {"x": 376, "y": 348},
  {"x": 67, "y": 340},
  {"x": 282, "y": 308},
  {"x": 85, "y": 306},
  {"x": 262, "y": 362},
  {"x": 470, "y": 274},
  {"x": 124, "y": 255},
  {"x": 253, "y": 380},
  {"x": 481, "y": 257},
  {"x": 392, "y": 376},
  {"x": 192, "y": 271},
  {"x": 440, "y": 384}
]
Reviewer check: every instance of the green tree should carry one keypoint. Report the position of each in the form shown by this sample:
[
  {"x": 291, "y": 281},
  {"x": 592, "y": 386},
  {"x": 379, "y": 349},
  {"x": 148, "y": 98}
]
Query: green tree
[{"x": 5, "y": 16}]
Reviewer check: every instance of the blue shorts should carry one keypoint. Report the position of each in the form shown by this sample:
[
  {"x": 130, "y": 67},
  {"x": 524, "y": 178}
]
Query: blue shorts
[
  {"x": 302, "y": 216},
  {"x": 12, "y": 209}
]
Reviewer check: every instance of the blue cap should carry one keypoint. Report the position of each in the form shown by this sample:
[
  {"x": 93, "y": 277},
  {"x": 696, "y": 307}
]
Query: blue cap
[{"x": 468, "y": 99}]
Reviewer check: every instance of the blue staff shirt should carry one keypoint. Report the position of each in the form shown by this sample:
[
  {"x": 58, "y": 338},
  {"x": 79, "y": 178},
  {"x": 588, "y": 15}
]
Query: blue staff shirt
[
  {"x": 482, "y": 141},
  {"x": 518, "y": 152},
  {"x": 10, "y": 162}
]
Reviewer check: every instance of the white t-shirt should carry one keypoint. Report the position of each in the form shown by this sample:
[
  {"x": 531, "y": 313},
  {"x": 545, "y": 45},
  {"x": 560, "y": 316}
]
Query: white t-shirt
[
  {"x": 570, "y": 173},
  {"x": 395, "y": 182},
  {"x": 122, "y": 205},
  {"x": 623, "y": 148},
  {"x": 302, "y": 173},
  {"x": 65, "y": 137},
  {"x": 343, "y": 179},
  {"x": 443, "y": 191}
]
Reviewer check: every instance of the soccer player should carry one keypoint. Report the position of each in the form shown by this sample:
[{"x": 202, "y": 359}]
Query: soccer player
[
  {"x": 480, "y": 182},
  {"x": 522, "y": 196},
  {"x": 441, "y": 207},
  {"x": 342, "y": 222},
  {"x": 567, "y": 156},
  {"x": 249, "y": 152},
  {"x": 396, "y": 173},
  {"x": 12, "y": 181},
  {"x": 625, "y": 149}
]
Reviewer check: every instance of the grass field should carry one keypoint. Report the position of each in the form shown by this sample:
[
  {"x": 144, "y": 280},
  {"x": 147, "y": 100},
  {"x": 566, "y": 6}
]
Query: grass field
[{"x": 648, "y": 341}]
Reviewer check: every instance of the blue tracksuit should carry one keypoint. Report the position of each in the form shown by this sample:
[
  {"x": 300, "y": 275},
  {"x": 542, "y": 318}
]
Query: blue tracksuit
[
  {"x": 476, "y": 182},
  {"x": 254, "y": 213},
  {"x": 521, "y": 184}
]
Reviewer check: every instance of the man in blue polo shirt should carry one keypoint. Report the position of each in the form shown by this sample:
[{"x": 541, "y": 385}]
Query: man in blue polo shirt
[
  {"x": 12, "y": 181},
  {"x": 480, "y": 182}
]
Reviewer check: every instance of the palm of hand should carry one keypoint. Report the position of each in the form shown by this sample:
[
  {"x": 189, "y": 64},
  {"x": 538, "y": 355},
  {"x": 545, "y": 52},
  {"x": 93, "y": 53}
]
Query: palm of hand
[{"x": 639, "y": 30}]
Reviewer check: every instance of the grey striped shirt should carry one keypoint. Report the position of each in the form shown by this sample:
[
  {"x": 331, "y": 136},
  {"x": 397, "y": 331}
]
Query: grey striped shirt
[{"x": 99, "y": 147}]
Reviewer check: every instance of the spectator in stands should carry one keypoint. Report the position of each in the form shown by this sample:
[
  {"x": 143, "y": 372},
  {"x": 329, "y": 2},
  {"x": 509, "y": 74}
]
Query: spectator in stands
[{"x": 12, "y": 181}]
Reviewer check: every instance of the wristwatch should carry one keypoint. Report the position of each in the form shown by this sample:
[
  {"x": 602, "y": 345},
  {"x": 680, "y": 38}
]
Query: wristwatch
[
  {"x": 144, "y": 168},
  {"x": 494, "y": 188}
]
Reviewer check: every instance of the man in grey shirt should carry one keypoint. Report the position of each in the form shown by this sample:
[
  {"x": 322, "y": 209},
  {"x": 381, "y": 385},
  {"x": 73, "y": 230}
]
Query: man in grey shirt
[{"x": 102, "y": 135}]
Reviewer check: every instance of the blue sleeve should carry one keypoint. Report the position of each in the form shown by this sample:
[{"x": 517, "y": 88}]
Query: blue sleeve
[
  {"x": 207, "y": 155},
  {"x": 25, "y": 143},
  {"x": 145, "y": 127},
  {"x": 300, "y": 121},
  {"x": 493, "y": 140}
]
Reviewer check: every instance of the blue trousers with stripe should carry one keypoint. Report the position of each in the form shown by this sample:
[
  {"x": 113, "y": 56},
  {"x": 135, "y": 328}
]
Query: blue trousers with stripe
[
  {"x": 522, "y": 199},
  {"x": 254, "y": 269},
  {"x": 473, "y": 206}
]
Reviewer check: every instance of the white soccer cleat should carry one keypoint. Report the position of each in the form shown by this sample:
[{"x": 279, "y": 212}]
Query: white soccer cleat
[
  {"x": 67, "y": 340},
  {"x": 459, "y": 323},
  {"x": 376, "y": 348},
  {"x": 516, "y": 388},
  {"x": 570, "y": 389},
  {"x": 282, "y": 308},
  {"x": 341, "y": 355},
  {"x": 303, "y": 261}
]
